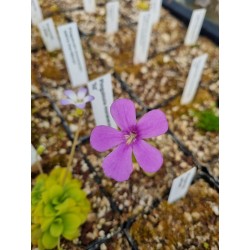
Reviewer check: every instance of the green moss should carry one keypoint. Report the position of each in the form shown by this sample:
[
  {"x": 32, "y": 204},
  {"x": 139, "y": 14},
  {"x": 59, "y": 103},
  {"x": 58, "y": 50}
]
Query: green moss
[{"x": 207, "y": 120}]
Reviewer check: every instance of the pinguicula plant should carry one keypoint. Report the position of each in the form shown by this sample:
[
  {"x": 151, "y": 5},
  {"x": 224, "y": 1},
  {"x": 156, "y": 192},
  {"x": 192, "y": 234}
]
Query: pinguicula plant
[
  {"x": 129, "y": 140},
  {"x": 58, "y": 204}
]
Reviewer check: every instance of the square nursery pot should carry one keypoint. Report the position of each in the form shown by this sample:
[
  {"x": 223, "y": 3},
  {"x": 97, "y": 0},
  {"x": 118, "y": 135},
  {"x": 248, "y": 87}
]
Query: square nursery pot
[
  {"x": 140, "y": 191},
  {"x": 184, "y": 55},
  {"x": 155, "y": 81},
  {"x": 184, "y": 123},
  {"x": 189, "y": 223},
  {"x": 102, "y": 221}
]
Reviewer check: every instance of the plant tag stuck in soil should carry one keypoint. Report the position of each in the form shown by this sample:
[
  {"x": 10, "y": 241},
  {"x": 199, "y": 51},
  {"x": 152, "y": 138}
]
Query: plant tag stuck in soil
[
  {"x": 101, "y": 89},
  {"x": 36, "y": 12},
  {"x": 194, "y": 26},
  {"x": 48, "y": 32},
  {"x": 112, "y": 17},
  {"x": 73, "y": 54},
  {"x": 181, "y": 185},
  {"x": 193, "y": 79},
  {"x": 155, "y": 8},
  {"x": 89, "y": 6},
  {"x": 143, "y": 37},
  {"x": 34, "y": 156}
]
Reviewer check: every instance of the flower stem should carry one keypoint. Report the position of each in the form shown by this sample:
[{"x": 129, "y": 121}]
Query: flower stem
[
  {"x": 72, "y": 152},
  {"x": 58, "y": 244}
]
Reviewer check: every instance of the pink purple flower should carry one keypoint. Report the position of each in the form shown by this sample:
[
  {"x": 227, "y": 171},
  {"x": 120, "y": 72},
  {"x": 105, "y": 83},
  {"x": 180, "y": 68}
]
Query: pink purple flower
[
  {"x": 79, "y": 100},
  {"x": 129, "y": 140}
]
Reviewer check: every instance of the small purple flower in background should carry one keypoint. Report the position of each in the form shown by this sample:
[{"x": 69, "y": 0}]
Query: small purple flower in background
[
  {"x": 118, "y": 164},
  {"x": 79, "y": 100}
]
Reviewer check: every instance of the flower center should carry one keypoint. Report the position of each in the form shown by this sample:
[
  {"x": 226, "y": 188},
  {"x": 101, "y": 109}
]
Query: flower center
[
  {"x": 79, "y": 101},
  {"x": 131, "y": 137}
]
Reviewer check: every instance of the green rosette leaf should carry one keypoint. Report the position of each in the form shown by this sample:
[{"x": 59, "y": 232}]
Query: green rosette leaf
[
  {"x": 56, "y": 228},
  {"x": 71, "y": 222},
  {"x": 58, "y": 209},
  {"x": 48, "y": 241}
]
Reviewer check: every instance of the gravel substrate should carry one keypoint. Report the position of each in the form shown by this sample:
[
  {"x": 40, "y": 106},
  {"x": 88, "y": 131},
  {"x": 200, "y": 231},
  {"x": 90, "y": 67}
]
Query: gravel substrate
[{"x": 46, "y": 129}]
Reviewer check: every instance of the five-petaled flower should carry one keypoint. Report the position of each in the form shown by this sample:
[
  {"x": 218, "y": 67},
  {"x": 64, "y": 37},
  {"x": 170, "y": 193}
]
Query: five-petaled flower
[
  {"x": 79, "y": 100},
  {"x": 129, "y": 140}
]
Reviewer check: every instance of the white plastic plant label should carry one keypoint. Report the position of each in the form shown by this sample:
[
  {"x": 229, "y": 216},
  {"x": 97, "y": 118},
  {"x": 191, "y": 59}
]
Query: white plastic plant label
[
  {"x": 143, "y": 37},
  {"x": 34, "y": 156},
  {"x": 155, "y": 8},
  {"x": 194, "y": 26},
  {"x": 73, "y": 54},
  {"x": 89, "y": 6},
  {"x": 36, "y": 13},
  {"x": 193, "y": 79},
  {"x": 180, "y": 185},
  {"x": 48, "y": 32},
  {"x": 112, "y": 17},
  {"x": 101, "y": 89}
]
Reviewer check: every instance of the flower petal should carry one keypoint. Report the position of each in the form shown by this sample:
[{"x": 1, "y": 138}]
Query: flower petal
[
  {"x": 80, "y": 105},
  {"x": 118, "y": 164},
  {"x": 123, "y": 112},
  {"x": 81, "y": 93},
  {"x": 149, "y": 158},
  {"x": 103, "y": 138},
  {"x": 152, "y": 124},
  {"x": 66, "y": 102},
  {"x": 89, "y": 98},
  {"x": 71, "y": 94}
]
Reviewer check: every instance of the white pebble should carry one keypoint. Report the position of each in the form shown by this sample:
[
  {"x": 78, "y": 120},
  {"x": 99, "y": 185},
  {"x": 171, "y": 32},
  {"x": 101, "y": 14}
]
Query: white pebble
[
  {"x": 101, "y": 233},
  {"x": 103, "y": 247}
]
